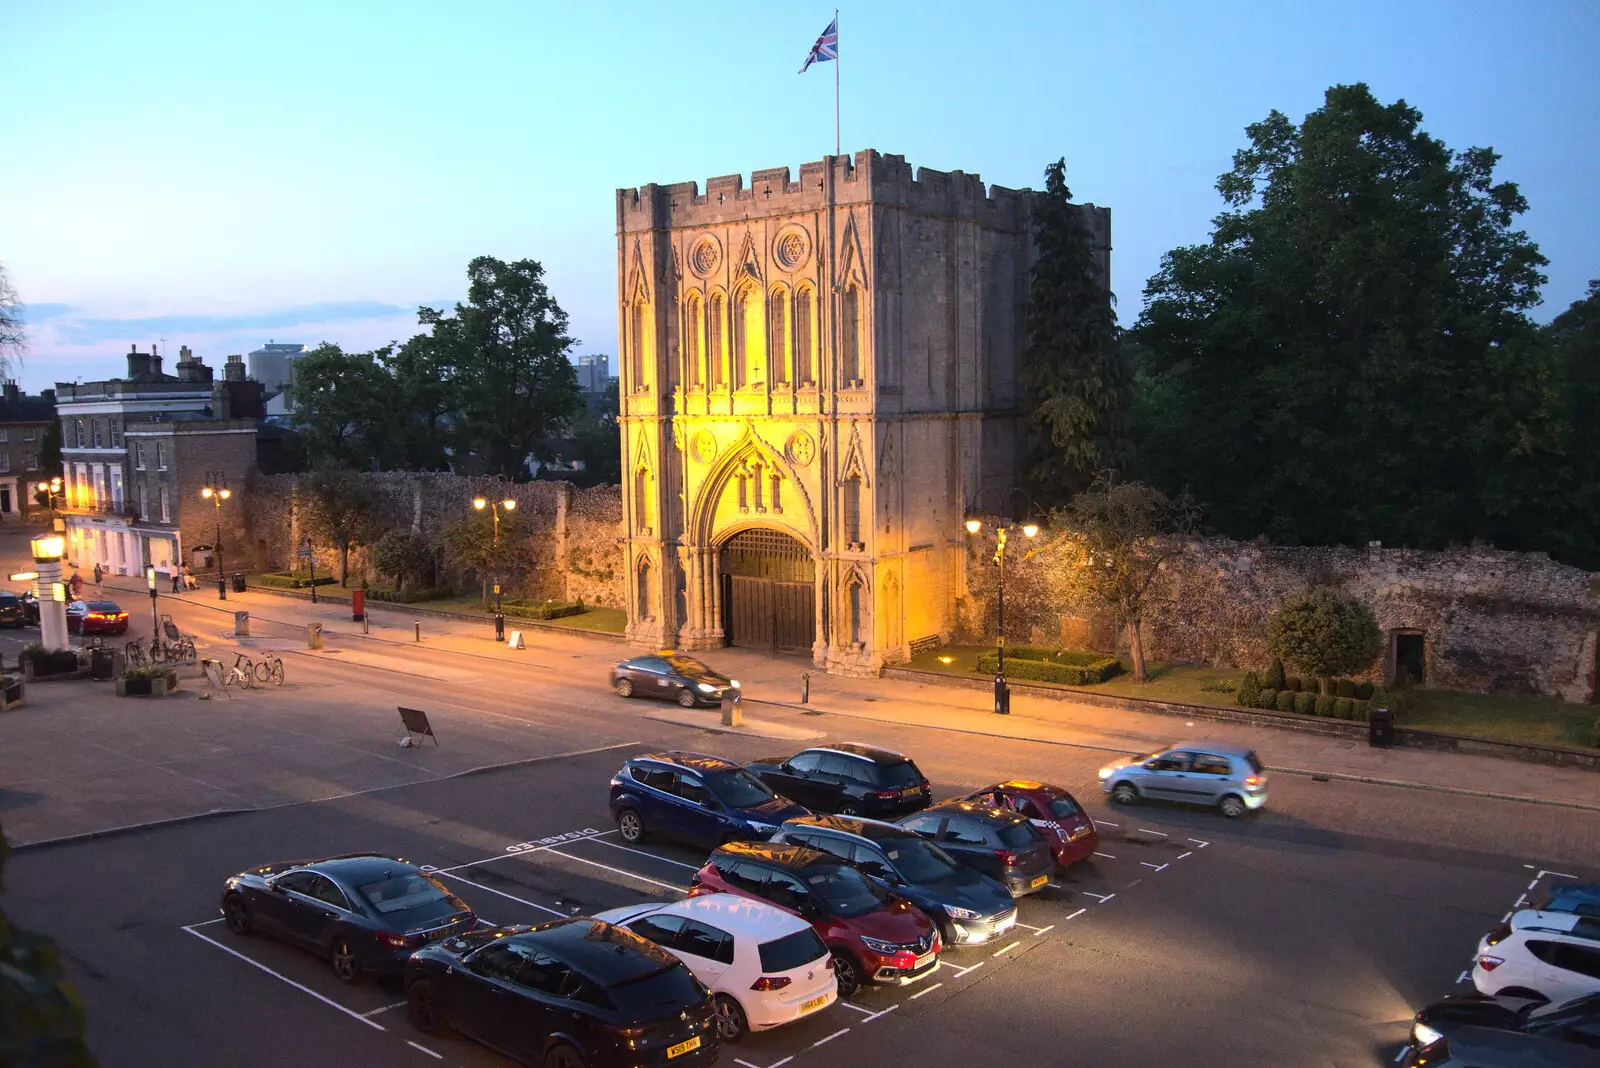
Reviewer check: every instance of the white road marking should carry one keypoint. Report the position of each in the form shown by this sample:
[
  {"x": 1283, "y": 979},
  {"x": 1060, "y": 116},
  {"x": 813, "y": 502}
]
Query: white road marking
[
  {"x": 502, "y": 893},
  {"x": 1160, "y": 867},
  {"x": 746, "y": 1064},
  {"x": 1190, "y": 853},
  {"x": 385, "y": 1008},
  {"x": 958, "y": 969},
  {"x": 1031, "y": 927},
  {"x": 284, "y": 978},
  {"x": 830, "y": 1038},
  {"x": 1530, "y": 867},
  {"x": 930, "y": 990},
  {"x": 781, "y": 1063},
  {"x": 863, "y": 1011},
  {"x": 642, "y": 853},
  {"x": 1521, "y": 901},
  {"x": 620, "y": 871},
  {"x": 425, "y": 1049},
  {"x": 1534, "y": 883},
  {"x": 1108, "y": 823},
  {"x": 1075, "y": 915},
  {"x": 879, "y": 1013},
  {"x": 1398, "y": 1057},
  {"x": 1108, "y": 856},
  {"x": 1557, "y": 874},
  {"x": 1199, "y": 843},
  {"x": 1102, "y": 898},
  {"x": 1463, "y": 977},
  {"x": 515, "y": 850},
  {"x": 1506, "y": 917},
  {"x": 1147, "y": 830},
  {"x": 1005, "y": 949},
  {"x": 206, "y": 923},
  {"x": 1042, "y": 930}
]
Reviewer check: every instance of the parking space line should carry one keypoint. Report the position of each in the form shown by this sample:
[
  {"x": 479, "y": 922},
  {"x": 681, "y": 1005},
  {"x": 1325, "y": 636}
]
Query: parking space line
[
  {"x": 425, "y": 1049},
  {"x": 958, "y": 969},
  {"x": 620, "y": 871},
  {"x": 1557, "y": 874},
  {"x": 1188, "y": 853},
  {"x": 1505, "y": 918},
  {"x": 1147, "y": 830},
  {"x": 642, "y": 853},
  {"x": 1106, "y": 823},
  {"x": 1005, "y": 949},
  {"x": 385, "y": 1008},
  {"x": 514, "y": 851},
  {"x": 858, "y": 1008},
  {"x": 1521, "y": 901},
  {"x": 1075, "y": 915},
  {"x": 1102, "y": 898},
  {"x": 1042, "y": 930},
  {"x": 1533, "y": 884},
  {"x": 879, "y": 1013},
  {"x": 1032, "y": 928},
  {"x": 1199, "y": 843},
  {"x": 1398, "y": 1057},
  {"x": 1157, "y": 867},
  {"x": 1463, "y": 977},
  {"x": 284, "y": 978},
  {"x": 830, "y": 1038},
  {"x": 929, "y": 990},
  {"x": 502, "y": 893},
  {"x": 1108, "y": 856}
]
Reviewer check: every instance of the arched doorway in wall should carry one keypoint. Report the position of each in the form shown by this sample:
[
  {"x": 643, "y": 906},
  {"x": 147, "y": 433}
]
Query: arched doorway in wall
[{"x": 768, "y": 591}]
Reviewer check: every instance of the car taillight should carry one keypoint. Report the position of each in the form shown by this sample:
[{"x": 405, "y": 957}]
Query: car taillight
[
  {"x": 1005, "y": 856},
  {"x": 628, "y": 1032},
  {"x": 883, "y": 795},
  {"x": 1489, "y": 964},
  {"x": 774, "y": 982},
  {"x": 829, "y": 965},
  {"x": 394, "y": 941},
  {"x": 1498, "y": 935}
]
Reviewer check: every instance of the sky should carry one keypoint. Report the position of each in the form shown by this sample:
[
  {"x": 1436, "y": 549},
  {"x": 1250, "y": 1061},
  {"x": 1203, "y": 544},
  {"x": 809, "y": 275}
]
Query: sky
[{"x": 218, "y": 175}]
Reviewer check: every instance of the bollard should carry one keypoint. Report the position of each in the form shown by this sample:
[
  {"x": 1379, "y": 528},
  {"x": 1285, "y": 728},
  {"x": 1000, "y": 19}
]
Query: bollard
[
  {"x": 732, "y": 710},
  {"x": 417, "y": 624},
  {"x": 499, "y": 627},
  {"x": 241, "y": 624},
  {"x": 805, "y": 687},
  {"x": 364, "y": 623}
]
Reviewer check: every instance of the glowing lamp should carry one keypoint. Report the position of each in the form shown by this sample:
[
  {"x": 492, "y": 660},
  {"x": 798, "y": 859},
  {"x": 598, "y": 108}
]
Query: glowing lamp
[
  {"x": 509, "y": 505},
  {"x": 1030, "y": 529},
  {"x": 974, "y": 525},
  {"x": 479, "y": 503},
  {"x": 207, "y": 493},
  {"x": 51, "y": 547}
]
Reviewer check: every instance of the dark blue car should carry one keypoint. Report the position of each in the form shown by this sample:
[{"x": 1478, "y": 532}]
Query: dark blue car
[{"x": 691, "y": 797}]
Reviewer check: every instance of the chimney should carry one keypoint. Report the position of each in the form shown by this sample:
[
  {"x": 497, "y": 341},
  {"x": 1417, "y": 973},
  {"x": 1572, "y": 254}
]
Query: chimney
[
  {"x": 49, "y": 395},
  {"x": 155, "y": 361},
  {"x": 234, "y": 370},
  {"x": 138, "y": 363},
  {"x": 13, "y": 394},
  {"x": 192, "y": 368}
]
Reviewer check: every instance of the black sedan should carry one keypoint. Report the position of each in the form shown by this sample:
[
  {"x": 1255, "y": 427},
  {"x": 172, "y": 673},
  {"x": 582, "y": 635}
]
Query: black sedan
[
  {"x": 671, "y": 675},
  {"x": 565, "y": 994},
  {"x": 364, "y": 912},
  {"x": 13, "y": 612},
  {"x": 1530, "y": 1026}
]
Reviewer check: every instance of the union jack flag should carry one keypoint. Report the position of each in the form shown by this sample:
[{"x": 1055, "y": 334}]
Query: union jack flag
[{"x": 826, "y": 48}]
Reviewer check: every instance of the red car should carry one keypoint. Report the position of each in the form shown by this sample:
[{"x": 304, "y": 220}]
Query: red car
[
  {"x": 96, "y": 617},
  {"x": 874, "y": 936},
  {"x": 1057, "y": 814}
]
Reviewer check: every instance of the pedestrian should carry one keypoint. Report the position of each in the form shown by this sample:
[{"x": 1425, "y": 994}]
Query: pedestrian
[
  {"x": 99, "y": 578},
  {"x": 177, "y": 579},
  {"x": 189, "y": 581},
  {"x": 76, "y": 585}
]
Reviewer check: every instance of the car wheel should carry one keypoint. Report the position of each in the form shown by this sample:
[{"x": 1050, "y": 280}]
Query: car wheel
[
  {"x": 1124, "y": 793},
  {"x": 731, "y": 1024},
  {"x": 235, "y": 914},
  {"x": 624, "y": 687},
  {"x": 848, "y": 809},
  {"x": 686, "y": 698},
  {"x": 563, "y": 1056},
  {"x": 343, "y": 961},
  {"x": 847, "y": 972},
  {"x": 1232, "y": 807},
  {"x": 422, "y": 1003},
  {"x": 631, "y": 826}
]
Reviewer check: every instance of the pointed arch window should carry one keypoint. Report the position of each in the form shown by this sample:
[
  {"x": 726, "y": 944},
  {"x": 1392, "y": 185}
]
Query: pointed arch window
[
  {"x": 716, "y": 349},
  {"x": 852, "y": 510},
  {"x": 804, "y": 336},
  {"x": 778, "y": 336},
  {"x": 642, "y": 594},
  {"x": 749, "y": 340},
  {"x": 854, "y": 597},
  {"x": 850, "y": 336},
  {"x": 694, "y": 341},
  {"x": 641, "y": 500},
  {"x": 636, "y": 346}
]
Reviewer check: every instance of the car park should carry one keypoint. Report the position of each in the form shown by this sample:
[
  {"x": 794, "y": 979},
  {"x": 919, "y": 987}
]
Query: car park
[
  {"x": 997, "y": 842},
  {"x": 572, "y": 993},
  {"x": 849, "y": 779},
  {"x": 968, "y": 907},
  {"x": 874, "y": 936},
  {"x": 694, "y": 798},
  {"x": 672, "y": 676},
  {"x": 363, "y": 912},
  {"x": 1543, "y": 956},
  {"x": 96, "y": 617},
  {"x": 1227, "y": 777},
  {"x": 1462, "y": 1016},
  {"x": 1052, "y": 809},
  {"x": 765, "y": 967}
]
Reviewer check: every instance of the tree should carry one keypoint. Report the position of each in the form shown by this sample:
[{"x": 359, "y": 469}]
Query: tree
[
  {"x": 341, "y": 404},
  {"x": 41, "y": 1015},
  {"x": 1321, "y": 634},
  {"x": 507, "y": 347},
  {"x": 473, "y": 545},
  {"x": 13, "y": 332},
  {"x": 1349, "y": 358},
  {"x": 1119, "y": 533},
  {"x": 402, "y": 555},
  {"x": 1574, "y": 339},
  {"x": 1073, "y": 370},
  {"x": 420, "y": 415},
  {"x": 598, "y": 440},
  {"x": 339, "y": 508}
]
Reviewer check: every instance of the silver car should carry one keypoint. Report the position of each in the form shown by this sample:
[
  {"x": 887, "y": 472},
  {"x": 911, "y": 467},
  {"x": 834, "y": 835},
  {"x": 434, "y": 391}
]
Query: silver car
[{"x": 1228, "y": 777}]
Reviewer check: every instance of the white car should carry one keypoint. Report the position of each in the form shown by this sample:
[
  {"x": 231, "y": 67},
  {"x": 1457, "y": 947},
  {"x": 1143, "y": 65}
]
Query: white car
[
  {"x": 1554, "y": 956},
  {"x": 764, "y": 966}
]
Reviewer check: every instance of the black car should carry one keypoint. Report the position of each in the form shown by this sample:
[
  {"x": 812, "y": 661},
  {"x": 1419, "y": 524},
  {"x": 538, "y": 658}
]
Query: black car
[
  {"x": 969, "y": 907},
  {"x": 30, "y": 607},
  {"x": 849, "y": 778},
  {"x": 671, "y": 675},
  {"x": 1475, "y": 1047},
  {"x": 565, "y": 994},
  {"x": 1002, "y": 844},
  {"x": 13, "y": 613},
  {"x": 1536, "y": 1025},
  {"x": 364, "y": 912}
]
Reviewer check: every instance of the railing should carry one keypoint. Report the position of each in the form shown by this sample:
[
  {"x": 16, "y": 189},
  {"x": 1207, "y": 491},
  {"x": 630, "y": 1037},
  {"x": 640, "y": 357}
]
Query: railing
[{"x": 122, "y": 508}]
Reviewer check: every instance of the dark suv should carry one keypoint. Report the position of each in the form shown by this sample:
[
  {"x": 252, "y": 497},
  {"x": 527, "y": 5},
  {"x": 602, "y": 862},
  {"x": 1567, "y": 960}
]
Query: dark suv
[
  {"x": 968, "y": 907},
  {"x": 1001, "y": 844},
  {"x": 849, "y": 778},
  {"x": 692, "y": 797},
  {"x": 874, "y": 936},
  {"x": 12, "y": 611}
]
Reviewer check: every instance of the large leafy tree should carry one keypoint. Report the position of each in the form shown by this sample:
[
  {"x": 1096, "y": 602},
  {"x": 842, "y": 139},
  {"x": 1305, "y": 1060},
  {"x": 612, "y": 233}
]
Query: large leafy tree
[
  {"x": 475, "y": 544},
  {"x": 507, "y": 348},
  {"x": 1349, "y": 357},
  {"x": 339, "y": 509},
  {"x": 342, "y": 400},
  {"x": 41, "y": 1015},
  {"x": 1073, "y": 370},
  {"x": 598, "y": 441},
  {"x": 1574, "y": 340},
  {"x": 13, "y": 332}
]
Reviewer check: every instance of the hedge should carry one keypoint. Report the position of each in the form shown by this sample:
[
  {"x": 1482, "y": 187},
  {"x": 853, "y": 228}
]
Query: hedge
[
  {"x": 282, "y": 581},
  {"x": 1594, "y": 735},
  {"x": 1088, "y": 669},
  {"x": 57, "y": 662},
  {"x": 522, "y": 609},
  {"x": 1305, "y": 704},
  {"x": 410, "y": 595},
  {"x": 1325, "y": 705}
]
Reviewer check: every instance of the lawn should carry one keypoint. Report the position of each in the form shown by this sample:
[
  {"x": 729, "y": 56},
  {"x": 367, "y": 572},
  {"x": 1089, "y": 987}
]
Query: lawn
[{"x": 605, "y": 620}]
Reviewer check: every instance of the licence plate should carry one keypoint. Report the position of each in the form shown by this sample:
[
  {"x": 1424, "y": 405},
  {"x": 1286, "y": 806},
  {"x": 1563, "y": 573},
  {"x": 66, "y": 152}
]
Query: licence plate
[
  {"x": 1038, "y": 882},
  {"x": 683, "y": 1047},
  {"x": 922, "y": 961},
  {"x": 814, "y": 1003}
]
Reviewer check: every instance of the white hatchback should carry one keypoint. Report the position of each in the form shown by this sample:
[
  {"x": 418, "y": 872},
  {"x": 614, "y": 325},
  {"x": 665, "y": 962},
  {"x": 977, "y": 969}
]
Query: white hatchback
[
  {"x": 765, "y": 967},
  {"x": 1549, "y": 955}
]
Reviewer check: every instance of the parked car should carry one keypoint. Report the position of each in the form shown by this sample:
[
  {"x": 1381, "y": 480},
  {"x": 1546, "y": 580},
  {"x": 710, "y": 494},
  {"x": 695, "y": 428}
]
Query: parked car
[
  {"x": 848, "y": 778},
  {"x": 1542, "y": 956},
  {"x": 998, "y": 843},
  {"x": 1057, "y": 814},
  {"x": 1482, "y": 1048},
  {"x": 96, "y": 617},
  {"x": 571, "y": 993},
  {"x": 30, "y": 607},
  {"x": 692, "y": 797},
  {"x": 968, "y": 907},
  {"x": 765, "y": 967},
  {"x": 874, "y": 936},
  {"x": 1463, "y": 1016},
  {"x": 673, "y": 676},
  {"x": 1582, "y": 898},
  {"x": 13, "y": 613},
  {"x": 364, "y": 912},
  {"x": 1228, "y": 777}
]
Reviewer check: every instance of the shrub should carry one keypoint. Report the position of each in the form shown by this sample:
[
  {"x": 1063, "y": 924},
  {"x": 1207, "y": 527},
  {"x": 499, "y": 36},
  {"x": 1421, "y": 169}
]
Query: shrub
[
  {"x": 1361, "y": 711},
  {"x": 59, "y": 662},
  {"x": 293, "y": 581},
  {"x": 1274, "y": 679},
  {"x": 1325, "y": 704},
  {"x": 1267, "y": 699},
  {"x": 1342, "y": 707},
  {"x": 1323, "y": 634},
  {"x": 1594, "y": 735},
  {"x": 1305, "y": 704},
  {"x": 1052, "y": 669},
  {"x": 1285, "y": 701},
  {"x": 1292, "y": 683},
  {"x": 1364, "y": 691},
  {"x": 154, "y": 671},
  {"x": 1345, "y": 687},
  {"x": 1249, "y": 690},
  {"x": 1069, "y": 657},
  {"x": 414, "y": 595},
  {"x": 523, "y": 609}
]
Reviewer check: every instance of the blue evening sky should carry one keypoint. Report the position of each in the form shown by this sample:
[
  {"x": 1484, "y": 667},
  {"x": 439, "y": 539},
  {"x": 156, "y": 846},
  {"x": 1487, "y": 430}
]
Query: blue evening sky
[{"x": 221, "y": 174}]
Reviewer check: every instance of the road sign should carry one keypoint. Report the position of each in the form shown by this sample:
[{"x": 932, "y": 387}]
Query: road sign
[{"x": 303, "y": 553}]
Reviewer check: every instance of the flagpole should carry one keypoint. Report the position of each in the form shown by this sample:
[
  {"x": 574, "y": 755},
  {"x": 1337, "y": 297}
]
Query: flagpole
[{"x": 836, "y": 83}]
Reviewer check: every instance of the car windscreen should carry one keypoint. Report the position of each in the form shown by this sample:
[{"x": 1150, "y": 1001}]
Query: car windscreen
[
  {"x": 1064, "y": 808},
  {"x": 670, "y": 988},
  {"x": 845, "y": 891},
  {"x": 688, "y": 665},
  {"x": 1020, "y": 835},
  {"x": 738, "y": 788},
  {"x": 919, "y": 860},
  {"x": 402, "y": 892},
  {"x": 898, "y": 776},
  {"x": 1255, "y": 764},
  {"x": 792, "y": 951}
]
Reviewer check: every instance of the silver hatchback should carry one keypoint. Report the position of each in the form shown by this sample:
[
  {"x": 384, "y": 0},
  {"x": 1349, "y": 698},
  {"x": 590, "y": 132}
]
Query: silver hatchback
[{"x": 1228, "y": 777}]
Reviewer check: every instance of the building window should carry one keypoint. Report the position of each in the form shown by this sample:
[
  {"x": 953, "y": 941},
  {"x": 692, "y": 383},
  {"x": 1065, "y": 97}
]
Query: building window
[
  {"x": 144, "y": 501},
  {"x": 636, "y": 346},
  {"x": 31, "y": 460},
  {"x": 850, "y": 337},
  {"x": 5, "y": 435},
  {"x": 116, "y": 434},
  {"x": 27, "y": 433},
  {"x": 694, "y": 350},
  {"x": 805, "y": 363},
  {"x": 99, "y": 439},
  {"x": 715, "y": 349},
  {"x": 78, "y": 436},
  {"x": 161, "y": 456},
  {"x": 852, "y": 511},
  {"x": 138, "y": 455},
  {"x": 641, "y": 500},
  {"x": 5, "y": 461},
  {"x": 778, "y": 336},
  {"x": 166, "y": 517},
  {"x": 749, "y": 326},
  {"x": 644, "y": 589},
  {"x": 855, "y": 613}
]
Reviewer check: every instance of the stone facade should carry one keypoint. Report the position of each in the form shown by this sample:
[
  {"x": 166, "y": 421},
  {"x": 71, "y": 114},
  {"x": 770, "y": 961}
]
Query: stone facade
[
  {"x": 170, "y": 462},
  {"x": 818, "y": 377}
]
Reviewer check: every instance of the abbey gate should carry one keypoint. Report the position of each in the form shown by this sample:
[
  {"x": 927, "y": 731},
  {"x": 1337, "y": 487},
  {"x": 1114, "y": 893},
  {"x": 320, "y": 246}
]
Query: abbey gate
[{"x": 818, "y": 378}]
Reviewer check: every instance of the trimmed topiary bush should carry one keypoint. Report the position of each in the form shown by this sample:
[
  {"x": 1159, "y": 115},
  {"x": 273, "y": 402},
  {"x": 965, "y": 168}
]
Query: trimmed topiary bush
[
  {"x": 1361, "y": 711},
  {"x": 1249, "y": 690},
  {"x": 1268, "y": 699},
  {"x": 1344, "y": 688},
  {"x": 1324, "y": 635},
  {"x": 1305, "y": 703},
  {"x": 1285, "y": 701},
  {"x": 1325, "y": 704},
  {"x": 1067, "y": 669},
  {"x": 1274, "y": 679},
  {"x": 1343, "y": 707}
]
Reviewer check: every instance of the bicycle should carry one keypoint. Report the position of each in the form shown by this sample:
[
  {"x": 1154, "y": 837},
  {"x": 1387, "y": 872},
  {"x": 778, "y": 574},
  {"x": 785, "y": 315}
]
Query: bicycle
[
  {"x": 133, "y": 654},
  {"x": 174, "y": 648},
  {"x": 270, "y": 669},
  {"x": 244, "y": 677}
]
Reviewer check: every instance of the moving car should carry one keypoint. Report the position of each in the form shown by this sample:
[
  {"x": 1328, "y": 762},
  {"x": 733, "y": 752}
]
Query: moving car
[
  {"x": 571, "y": 993},
  {"x": 994, "y": 841},
  {"x": 765, "y": 967},
  {"x": 1461, "y": 1017},
  {"x": 1054, "y": 811},
  {"x": 848, "y": 778},
  {"x": 1228, "y": 777},
  {"x": 968, "y": 907},
  {"x": 1543, "y": 956},
  {"x": 673, "y": 676},
  {"x": 364, "y": 912},
  {"x": 96, "y": 617},
  {"x": 692, "y": 797},
  {"x": 13, "y": 613},
  {"x": 874, "y": 936}
]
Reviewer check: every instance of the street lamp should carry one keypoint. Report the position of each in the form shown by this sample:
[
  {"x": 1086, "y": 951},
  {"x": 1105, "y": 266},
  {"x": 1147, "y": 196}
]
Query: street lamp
[
  {"x": 480, "y": 503},
  {"x": 51, "y": 593},
  {"x": 51, "y": 490},
  {"x": 155, "y": 617},
  {"x": 1002, "y": 692},
  {"x": 216, "y": 491}
]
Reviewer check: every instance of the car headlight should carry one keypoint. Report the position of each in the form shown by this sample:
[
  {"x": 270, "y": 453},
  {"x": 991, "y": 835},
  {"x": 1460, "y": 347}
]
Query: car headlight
[
  {"x": 956, "y": 913},
  {"x": 1423, "y": 1035},
  {"x": 705, "y": 687},
  {"x": 877, "y": 945},
  {"x": 1105, "y": 773},
  {"x": 734, "y": 683}
]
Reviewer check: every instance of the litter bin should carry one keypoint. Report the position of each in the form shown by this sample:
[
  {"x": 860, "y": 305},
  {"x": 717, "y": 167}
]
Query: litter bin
[
  {"x": 238, "y": 582},
  {"x": 1380, "y": 727},
  {"x": 241, "y": 624},
  {"x": 313, "y": 635},
  {"x": 100, "y": 664}
]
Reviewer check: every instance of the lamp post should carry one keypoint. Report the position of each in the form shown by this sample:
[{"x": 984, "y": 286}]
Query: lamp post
[
  {"x": 311, "y": 563},
  {"x": 155, "y": 617},
  {"x": 51, "y": 593},
  {"x": 1002, "y": 692},
  {"x": 216, "y": 491},
  {"x": 51, "y": 490},
  {"x": 480, "y": 503}
]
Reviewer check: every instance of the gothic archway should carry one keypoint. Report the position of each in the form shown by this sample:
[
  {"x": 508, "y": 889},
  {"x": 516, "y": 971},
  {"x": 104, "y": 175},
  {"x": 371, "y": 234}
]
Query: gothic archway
[{"x": 769, "y": 591}]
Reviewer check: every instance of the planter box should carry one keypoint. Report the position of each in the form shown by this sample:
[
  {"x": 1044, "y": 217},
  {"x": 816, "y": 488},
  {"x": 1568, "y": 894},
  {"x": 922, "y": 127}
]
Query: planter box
[
  {"x": 57, "y": 663},
  {"x": 157, "y": 686},
  {"x": 11, "y": 693}
]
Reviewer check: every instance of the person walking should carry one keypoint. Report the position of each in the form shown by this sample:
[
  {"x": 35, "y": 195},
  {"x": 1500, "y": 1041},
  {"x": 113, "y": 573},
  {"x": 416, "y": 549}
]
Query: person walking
[
  {"x": 76, "y": 586},
  {"x": 99, "y": 578},
  {"x": 177, "y": 579}
]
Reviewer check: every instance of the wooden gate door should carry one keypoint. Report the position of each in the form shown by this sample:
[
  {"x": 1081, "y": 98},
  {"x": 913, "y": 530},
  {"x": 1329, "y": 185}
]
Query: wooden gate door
[
  {"x": 795, "y": 618},
  {"x": 752, "y": 612},
  {"x": 770, "y": 599}
]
